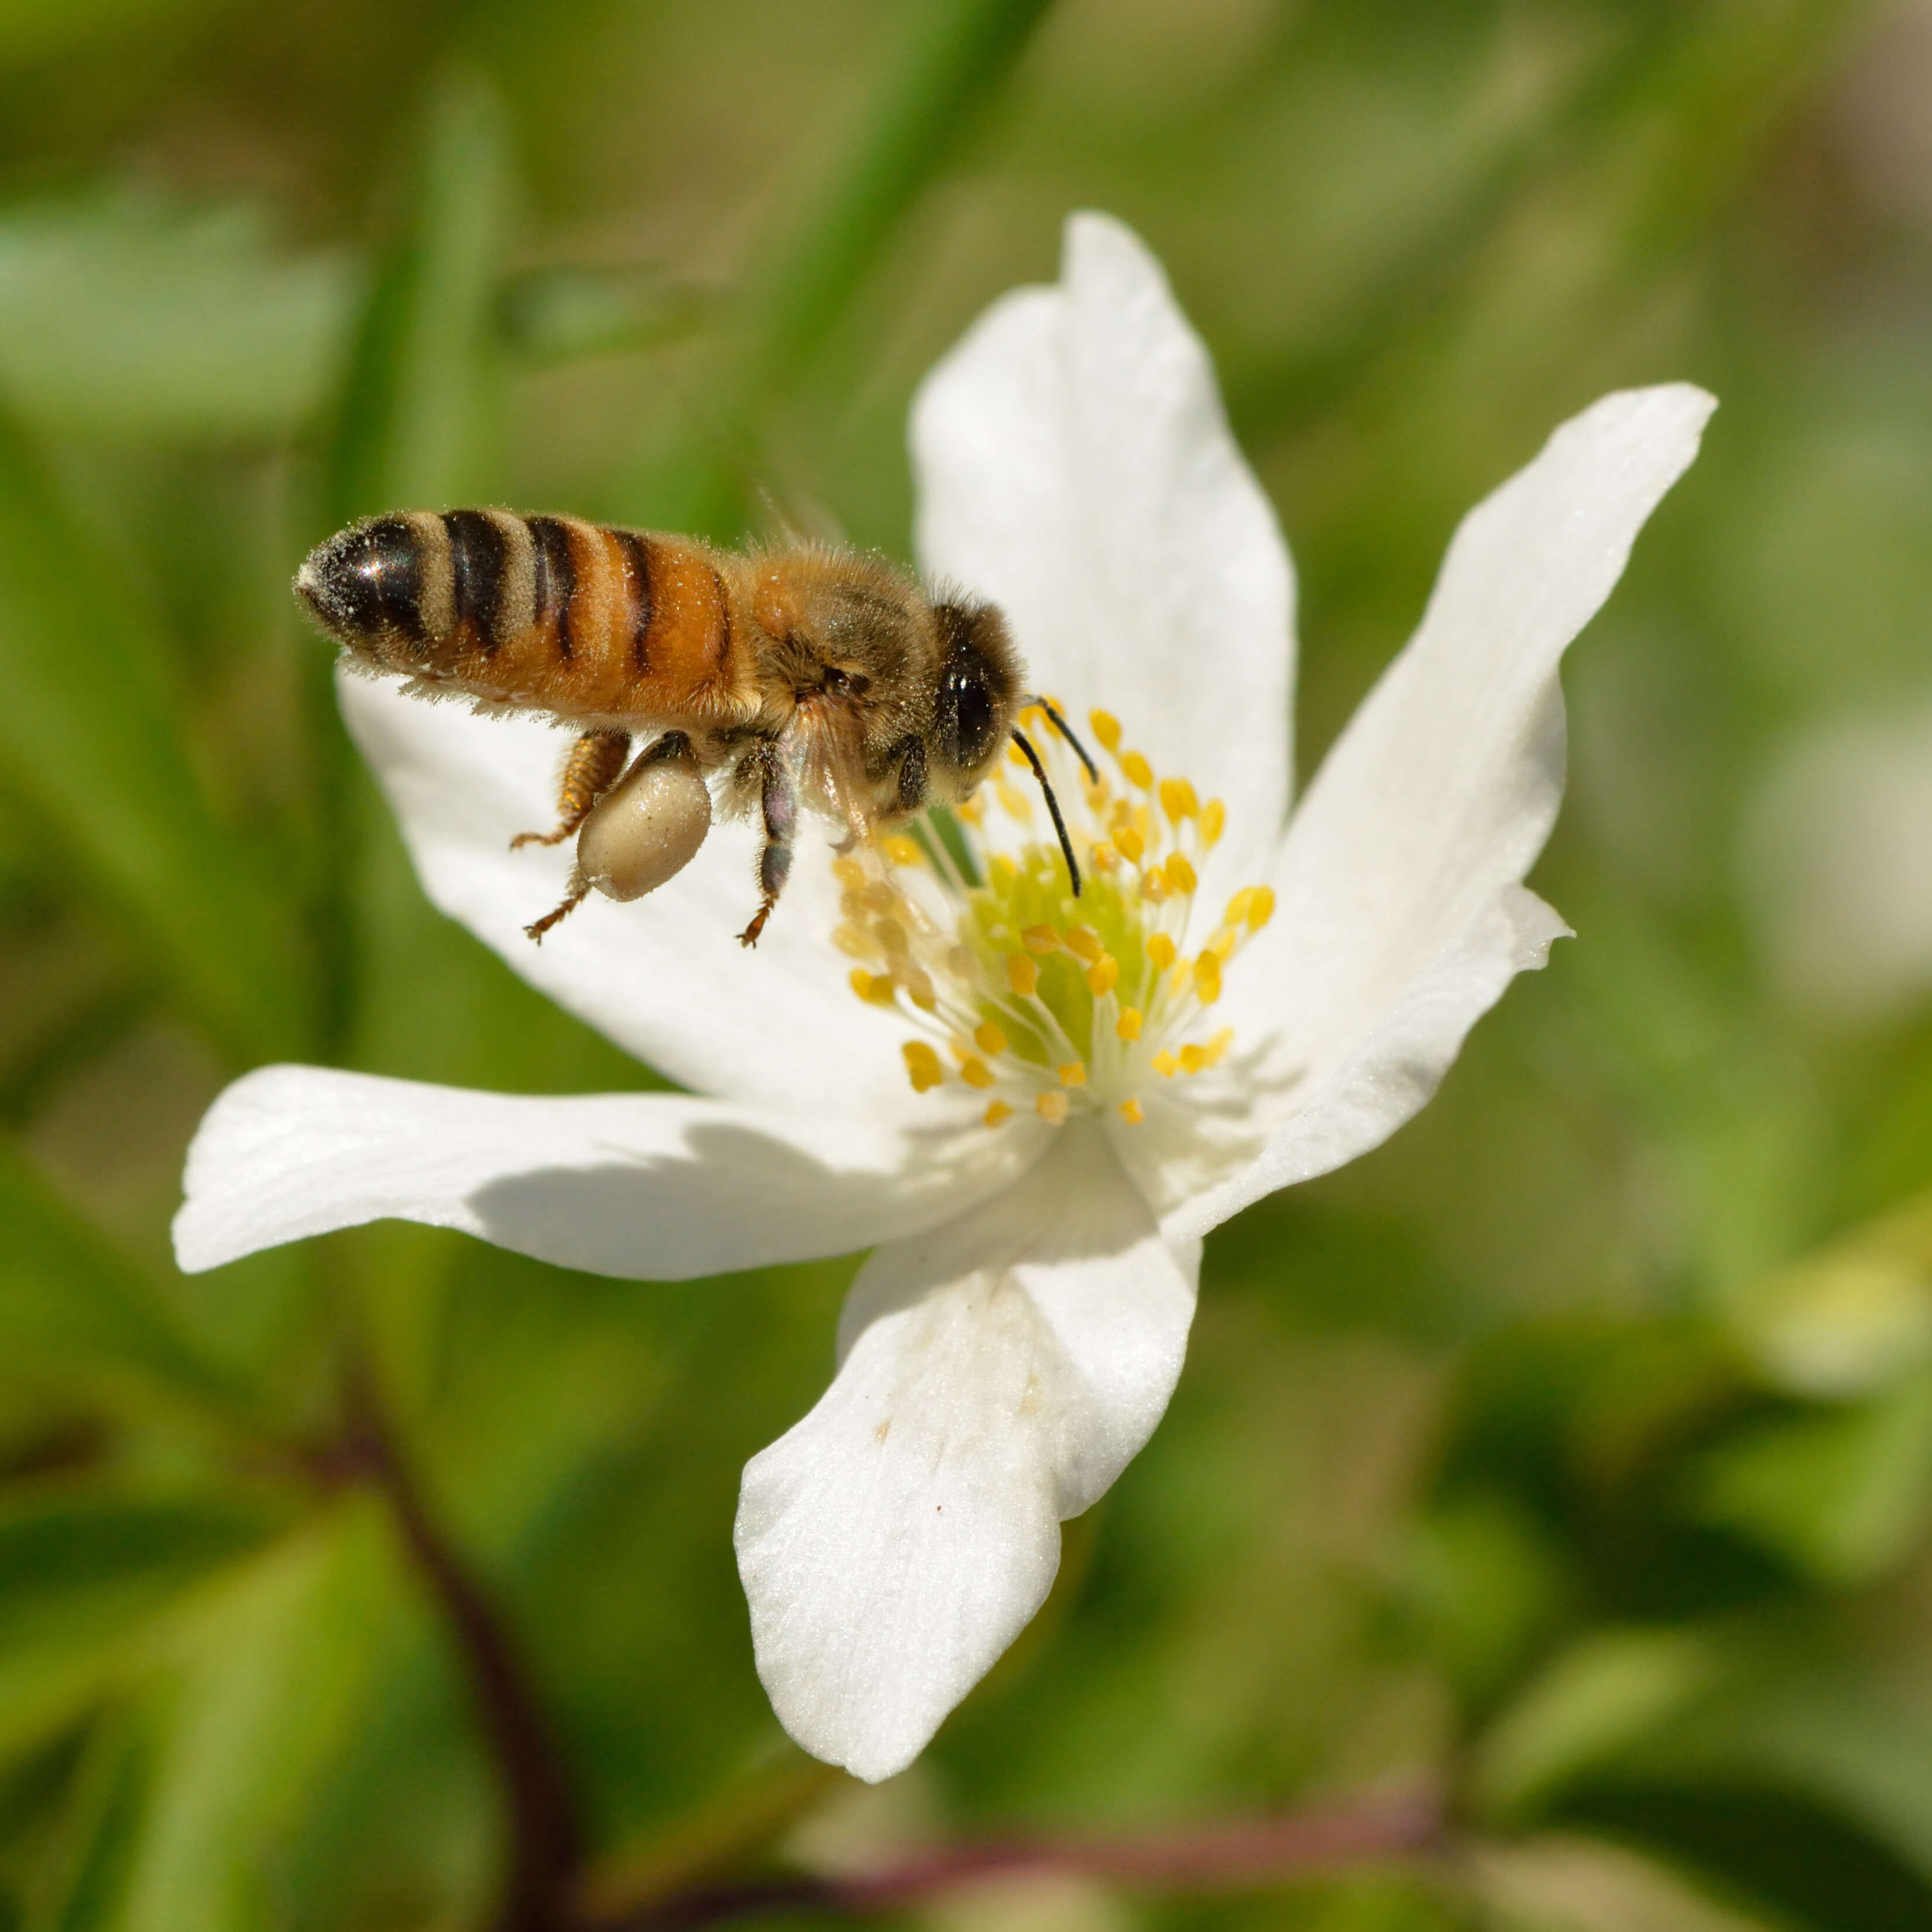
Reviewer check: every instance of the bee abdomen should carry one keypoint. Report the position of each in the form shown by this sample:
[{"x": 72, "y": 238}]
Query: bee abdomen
[{"x": 548, "y": 611}]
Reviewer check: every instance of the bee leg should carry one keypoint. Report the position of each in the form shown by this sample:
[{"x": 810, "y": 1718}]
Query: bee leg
[
  {"x": 592, "y": 769},
  {"x": 537, "y": 928},
  {"x": 780, "y": 810}
]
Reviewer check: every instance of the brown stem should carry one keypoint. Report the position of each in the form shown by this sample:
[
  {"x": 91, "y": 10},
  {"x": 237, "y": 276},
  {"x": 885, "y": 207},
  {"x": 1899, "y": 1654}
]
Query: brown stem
[
  {"x": 545, "y": 1844},
  {"x": 1206, "y": 1857}
]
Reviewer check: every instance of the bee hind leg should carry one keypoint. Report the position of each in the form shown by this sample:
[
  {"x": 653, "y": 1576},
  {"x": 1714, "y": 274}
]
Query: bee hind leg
[
  {"x": 779, "y": 799},
  {"x": 537, "y": 928},
  {"x": 595, "y": 761}
]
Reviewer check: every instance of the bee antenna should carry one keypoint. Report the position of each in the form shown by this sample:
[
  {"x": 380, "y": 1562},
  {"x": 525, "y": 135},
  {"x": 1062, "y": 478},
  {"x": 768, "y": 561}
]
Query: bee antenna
[
  {"x": 1052, "y": 806},
  {"x": 1066, "y": 731}
]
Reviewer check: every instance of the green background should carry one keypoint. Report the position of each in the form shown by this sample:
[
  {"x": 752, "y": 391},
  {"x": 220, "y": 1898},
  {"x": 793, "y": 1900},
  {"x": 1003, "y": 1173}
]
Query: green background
[{"x": 1572, "y": 1455}]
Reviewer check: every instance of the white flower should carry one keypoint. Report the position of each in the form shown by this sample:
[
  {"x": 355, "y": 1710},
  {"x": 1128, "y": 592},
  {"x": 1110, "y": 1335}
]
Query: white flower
[{"x": 1078, "y": 1117}]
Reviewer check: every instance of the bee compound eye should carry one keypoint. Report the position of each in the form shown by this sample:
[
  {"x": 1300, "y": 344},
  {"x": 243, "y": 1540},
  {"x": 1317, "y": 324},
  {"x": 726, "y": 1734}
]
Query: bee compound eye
[
  {"x": 647, "y": 828},
  {"x": 967, "y": 729}
]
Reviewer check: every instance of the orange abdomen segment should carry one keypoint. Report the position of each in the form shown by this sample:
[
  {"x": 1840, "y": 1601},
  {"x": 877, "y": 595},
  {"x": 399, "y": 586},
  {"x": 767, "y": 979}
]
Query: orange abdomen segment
[{"x": 549, "y": 612}]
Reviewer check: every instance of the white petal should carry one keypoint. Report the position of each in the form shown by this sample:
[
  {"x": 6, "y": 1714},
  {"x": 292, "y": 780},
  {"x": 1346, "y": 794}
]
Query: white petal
[
  {"x": 998, "y": 1373},
  {"x": 664, "y": 976},
  {"x": 1400, "y": 918},
  {"x": 648, "y": 1186},
  {"x": 1074, "y": 466}
]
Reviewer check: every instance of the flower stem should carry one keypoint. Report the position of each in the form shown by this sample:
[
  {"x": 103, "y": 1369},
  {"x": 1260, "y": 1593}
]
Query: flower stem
[
  {"x": 545, "y": 1841},
  {"x": 1206, "y": 1857}
]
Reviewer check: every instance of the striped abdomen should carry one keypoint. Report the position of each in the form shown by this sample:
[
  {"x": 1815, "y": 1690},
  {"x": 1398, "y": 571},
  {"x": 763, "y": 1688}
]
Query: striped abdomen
[{"x": 549, "y": 612}]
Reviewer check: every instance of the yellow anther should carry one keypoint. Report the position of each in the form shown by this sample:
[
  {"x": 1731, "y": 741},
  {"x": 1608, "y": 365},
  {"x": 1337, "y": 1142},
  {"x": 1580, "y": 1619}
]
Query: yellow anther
[
  {"x": 1180, "y": 873},
  {"x": 1004, "y": 873},
  {"x": 1073, "y": 1074},
  {"x": 1142, "y": 821},
  {"x": 892, "y": 938},
  {"x": 1102, "y": 975},
  {"x": 919, "y": 989},
  {"x": 1102, "y": 857},
  {"x": 923, "y": 1066},
  {"x": 849, "y": 873},
  {"x": 1214, "y": 821},
  {"x": 1153, "y": 887},
  {"x": 1260, "y": 907},
  {"x": 1106, "y": 728},
  {"x": 1129, "y": 840},
  {"x": 1130, "y": 1112},
  {"x": 1223, "y": 944},
  {"x": 878, "y": 897},
  {"x": 1178, "y": 799},
  {"x": 1219, "y": 1045},
  {"x": 1051, "y": 1106},
  {"x": 1193, "y": 1058},
  {"x": 1160, "y": 949},
  {"x": 977, "y": 1073},
  {"x": 1015, "y": 755},
  {"x": 1022, "y": 974},
  {"x": 991, "y": 1041},
  {"x": 851, "y": 941},
  {"x": 1015, "y": 803},
  {"x": 972, "y": 809},
  {"x": 1083, "y": 943},
  {"x": 902, "y": 851},
  {"x": 1040, "y": 939},
  {"x": 875, "y": 991},
  {"x": 1208, "y": 978},
  {"x": 1138, "y": 771},
  {"x": 996, "y": 1110},
  {"x": 1165, "y": 1064},
  {"x": 1237, "y": 914},
  {"x": 1128, "y": 1026}
]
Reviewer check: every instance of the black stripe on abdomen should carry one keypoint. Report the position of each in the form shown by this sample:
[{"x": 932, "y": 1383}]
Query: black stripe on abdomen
[
  {"x": 476, "y": 553},
  {"x": 556, "y": 576},
  {"x": 637, "y": 568}
]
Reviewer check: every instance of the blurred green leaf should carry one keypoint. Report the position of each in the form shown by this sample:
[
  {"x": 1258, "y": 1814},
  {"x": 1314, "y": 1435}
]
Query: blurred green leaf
[
  {"x": 83, "y": 1577},
  {"x": 554, "y": 314},
  {"x": 1845, "y": 1495},
  {"x": 33, "y": 30},
  {"x": 258, "y": 1694},
  {"x": 420, "y": 406},
  {"x": 69, "y": 1300},
  {"x": 127, "y": 315},
  {"x": 90, "y": 739}
]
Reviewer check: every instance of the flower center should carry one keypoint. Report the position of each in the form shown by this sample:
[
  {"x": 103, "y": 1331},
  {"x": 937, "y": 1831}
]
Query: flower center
[{"x": 1045, "y": 1003}]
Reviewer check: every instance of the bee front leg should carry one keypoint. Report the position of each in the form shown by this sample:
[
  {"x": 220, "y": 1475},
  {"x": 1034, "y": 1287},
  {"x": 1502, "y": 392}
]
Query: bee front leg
[
  {"x": 592, "y": 768},
  {"x": 779, "y": 798}
]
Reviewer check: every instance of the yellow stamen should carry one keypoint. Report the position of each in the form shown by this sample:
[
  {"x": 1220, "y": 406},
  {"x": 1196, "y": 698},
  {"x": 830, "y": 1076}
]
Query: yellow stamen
[
  {"x": 992, "y": 1043},
  {"x": 1208, "y": 978},
  {"x": 1153, "y": 887},
  {"x": 1219, "y": 1045},
  {"x": 977, "y": 1073},
  {"x": 1128, "y": 1026},
  {"x": 996, "y": 1110},
  {"x": 1016, "y": 756},
  {"x": 904, "y": 851},
  {"x": 1083, "y": 943},
  {"x": 1193, "y": 1059},
  {"x": 850, "y": 874},
  {"x": 1214, "y": 822},
  {"x": 1106, "y": 728},
  {"x": 1130, "y": 1112},
  {"x": 1073, "y": 1074},
  {"x": 1051, "y": 1106},
  {"x": 1223, "y": 944},
  {"x": 1005, "y": 875},
  {"x": 1015, "y": 803},
  {"x": 1129, "y": 840},
  {"x": 1138, "y": 771},
  {"x": 851, "y": 941},
  {"x": 1165, "y": 1064},
  {"x": 1040, "y": 939},
  {"x": 874, "y": 990},
  {"x": 1102, "y": 857},
  {"x": 1177, "y": 800},
  {"x": 923, "y": 1066},
  {"x": 1160, "y": 949},
  {"x": 1260, "y": 907},
  {"x": 1103, "y": 974},
  {"x": 1180, "y": 873},
  {"x": 1022, "y": 974}
]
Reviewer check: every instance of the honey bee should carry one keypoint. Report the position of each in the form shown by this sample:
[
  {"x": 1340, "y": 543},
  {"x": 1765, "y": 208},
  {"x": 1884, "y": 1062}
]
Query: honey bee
[{"x": 804, "y": 676}]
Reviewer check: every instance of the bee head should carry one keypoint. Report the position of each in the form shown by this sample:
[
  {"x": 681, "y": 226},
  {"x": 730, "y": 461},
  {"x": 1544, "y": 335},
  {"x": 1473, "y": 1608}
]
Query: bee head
[{"x": 979, "y": 693}]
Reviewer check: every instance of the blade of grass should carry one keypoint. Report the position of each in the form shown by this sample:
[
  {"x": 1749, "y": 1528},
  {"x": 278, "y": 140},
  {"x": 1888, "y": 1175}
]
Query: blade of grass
[
  {"x": 954, "y": 57},
  {"x": 92, "y": 743}
]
